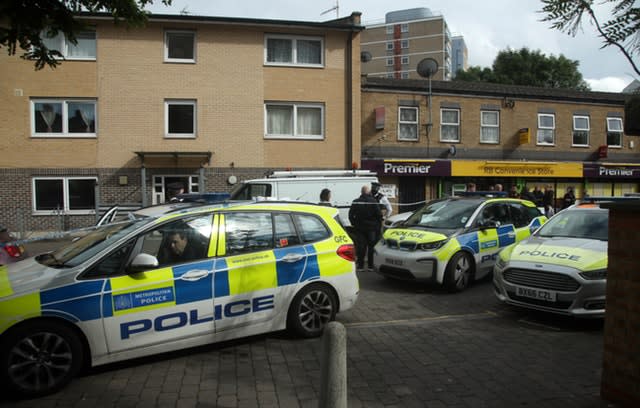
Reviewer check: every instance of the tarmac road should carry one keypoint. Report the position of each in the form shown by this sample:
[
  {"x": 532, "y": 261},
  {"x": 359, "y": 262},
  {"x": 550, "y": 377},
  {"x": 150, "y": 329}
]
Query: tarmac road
[{"x": 408, "y": 346}]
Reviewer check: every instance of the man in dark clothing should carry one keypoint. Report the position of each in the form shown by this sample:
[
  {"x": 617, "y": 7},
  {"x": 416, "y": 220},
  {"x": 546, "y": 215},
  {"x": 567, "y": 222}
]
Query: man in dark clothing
[
  {"x": 366, "y": 218},
  {"x": 549, "y": 197},
  {"x": 180, "y": 247},
  {"x": 569, "y": 198},
  {"x": 538, "y": 196}
]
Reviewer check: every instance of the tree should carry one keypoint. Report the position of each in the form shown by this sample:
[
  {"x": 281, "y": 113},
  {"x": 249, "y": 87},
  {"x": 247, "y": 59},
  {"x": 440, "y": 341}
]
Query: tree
[
  {"x": 25, "y": 24},
  {"x": 531, "y": 68},
  {"x": 621, "y": 31}
]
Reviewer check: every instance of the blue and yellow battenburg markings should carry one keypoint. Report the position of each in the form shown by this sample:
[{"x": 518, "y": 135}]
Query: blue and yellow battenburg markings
[{"x": 161, "y": 288}]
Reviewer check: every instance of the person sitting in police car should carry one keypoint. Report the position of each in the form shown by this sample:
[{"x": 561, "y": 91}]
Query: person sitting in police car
[{"x": 180, "y": 246}]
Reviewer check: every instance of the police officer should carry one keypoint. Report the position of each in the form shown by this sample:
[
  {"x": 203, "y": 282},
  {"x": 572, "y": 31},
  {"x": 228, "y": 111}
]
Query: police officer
[
  {"x": 381, "y": 198},
  {"x": 366, "y": 218}
]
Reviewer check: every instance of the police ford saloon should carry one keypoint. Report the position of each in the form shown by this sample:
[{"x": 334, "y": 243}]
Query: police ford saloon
[
  {"x": 180, "y": 279},
  {"x": 561, "y": 268},
  {"x": 454, "y": 240}
]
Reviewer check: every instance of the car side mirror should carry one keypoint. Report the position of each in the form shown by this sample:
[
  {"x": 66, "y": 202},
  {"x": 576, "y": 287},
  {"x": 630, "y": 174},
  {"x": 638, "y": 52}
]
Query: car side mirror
[{"x": 143, "y": 262}]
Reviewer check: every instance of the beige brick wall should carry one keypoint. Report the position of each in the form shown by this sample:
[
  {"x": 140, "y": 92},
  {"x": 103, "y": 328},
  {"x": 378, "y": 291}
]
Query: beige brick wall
[
  {"x": 229, "y": 82},
  {"x": 523, "y": 114}
]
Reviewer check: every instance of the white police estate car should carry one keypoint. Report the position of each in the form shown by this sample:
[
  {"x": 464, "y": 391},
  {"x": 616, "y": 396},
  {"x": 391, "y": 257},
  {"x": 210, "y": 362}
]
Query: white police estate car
[
  {"x": 561, "y": 268},
  {"x": 180, "y": 279},
  {"x": 454, "y": 240}
]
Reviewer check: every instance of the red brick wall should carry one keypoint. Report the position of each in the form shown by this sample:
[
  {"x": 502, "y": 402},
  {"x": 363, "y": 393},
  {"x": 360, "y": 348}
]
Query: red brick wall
[{"x": 621, "y": 358}]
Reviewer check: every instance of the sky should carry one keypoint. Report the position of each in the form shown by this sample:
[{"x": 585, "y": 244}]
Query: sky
[{"x": 487, "y": 26}]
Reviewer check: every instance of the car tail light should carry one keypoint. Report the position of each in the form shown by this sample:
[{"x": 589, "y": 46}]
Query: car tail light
[
  {"x": 14, "y": 251},
  {"x": 347, "y": 252}
]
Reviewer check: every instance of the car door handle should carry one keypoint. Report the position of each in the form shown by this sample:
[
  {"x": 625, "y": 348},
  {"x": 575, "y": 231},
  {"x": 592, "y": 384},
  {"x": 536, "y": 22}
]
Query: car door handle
[
  {"x": 292, "y": 258},
  {"x": 194, "y": 275}
]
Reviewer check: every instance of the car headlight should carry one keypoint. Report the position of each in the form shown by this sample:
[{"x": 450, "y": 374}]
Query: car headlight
[
  {"x": 431, "y": 246},
  {"x": 594, "y": 275}
]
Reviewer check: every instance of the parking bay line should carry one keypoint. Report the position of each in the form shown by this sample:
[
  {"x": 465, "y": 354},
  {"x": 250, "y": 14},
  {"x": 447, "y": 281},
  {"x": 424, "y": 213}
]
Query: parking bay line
[{"x": 423, "y": 320}]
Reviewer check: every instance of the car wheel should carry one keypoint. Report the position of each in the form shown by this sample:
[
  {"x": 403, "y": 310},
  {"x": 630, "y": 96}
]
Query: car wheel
[
  {"x": 311, "y": 310},
  {"x": 39, "y": 358},
  {"x": 459, "y": 272}
]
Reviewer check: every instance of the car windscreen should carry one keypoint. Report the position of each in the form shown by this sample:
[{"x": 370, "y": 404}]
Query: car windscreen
[
  {"x": 444, "y": 214},
  {"x": 577, "y": 223},
  {"x": 88, "y": 243}
]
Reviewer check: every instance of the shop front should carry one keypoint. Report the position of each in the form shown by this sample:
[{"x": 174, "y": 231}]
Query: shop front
[{"x": 611, "y": 179}]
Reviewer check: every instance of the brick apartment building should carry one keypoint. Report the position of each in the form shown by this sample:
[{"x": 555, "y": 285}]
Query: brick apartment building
[
  {"x": 188, "y": 100},
  {"x": 494, "y": 134},
  {"x": 406, "y": 37}
]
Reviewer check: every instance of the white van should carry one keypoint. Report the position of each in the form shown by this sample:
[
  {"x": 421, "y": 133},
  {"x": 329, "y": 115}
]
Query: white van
[{"x": 306, "y": 186}]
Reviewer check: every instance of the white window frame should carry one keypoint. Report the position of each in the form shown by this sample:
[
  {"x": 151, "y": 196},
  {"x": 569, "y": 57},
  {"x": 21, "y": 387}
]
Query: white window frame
[
  {"x": 169, "y": 102},
  {"x": 389, "y": 45},
  {"x": 578, "y": 129},
  {"x": 443, "y": 123},
  {"x": 544, "y": 128},
  {"x": 389, "y": 62},
  {"x": 489, "y": 125},
  {"x": 295, "y": 106},
  {"x": 404, "y": 27},
  {"x": 64, "y": 44},
  {"x": 408, "y": 123},
  {"x": 294, "y": 56},
  {"x": 167, "y": 33},
  {"x": 404, "y": 60},
  {"x": 404, "y": 44},
  {"x": 65, "y": 196},
  {"x": 390, "y": 28},
  {"x": 404, "y": 75},
  {"x": 390, "y": 75},
  {"x": 620, "y": 131},
  {"x": 65, "y": 118}
]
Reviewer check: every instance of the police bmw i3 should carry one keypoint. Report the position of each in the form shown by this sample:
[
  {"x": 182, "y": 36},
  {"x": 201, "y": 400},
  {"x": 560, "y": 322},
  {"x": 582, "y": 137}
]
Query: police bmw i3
[
  {"x": 454, "y": 240},
  {"x": 173, "y": 280}
]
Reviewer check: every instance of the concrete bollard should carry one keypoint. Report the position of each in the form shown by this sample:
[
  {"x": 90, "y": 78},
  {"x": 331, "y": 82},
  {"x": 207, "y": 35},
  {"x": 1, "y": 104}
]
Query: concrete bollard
[{"x": 333, "y": 381}]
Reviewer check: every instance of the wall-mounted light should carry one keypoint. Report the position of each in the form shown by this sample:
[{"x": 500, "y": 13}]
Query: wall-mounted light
[
  {"x": 508, "y": 103},
  {"x": 452, "y": 150},
  {"x": 123, "y": 180}
]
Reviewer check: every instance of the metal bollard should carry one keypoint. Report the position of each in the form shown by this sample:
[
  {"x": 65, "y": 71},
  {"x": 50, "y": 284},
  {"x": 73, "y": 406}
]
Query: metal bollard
[{"x": 333, "y": 380}]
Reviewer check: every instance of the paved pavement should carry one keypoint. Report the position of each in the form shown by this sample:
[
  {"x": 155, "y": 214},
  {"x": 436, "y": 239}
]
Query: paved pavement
[{"x": 408, "y": 346}]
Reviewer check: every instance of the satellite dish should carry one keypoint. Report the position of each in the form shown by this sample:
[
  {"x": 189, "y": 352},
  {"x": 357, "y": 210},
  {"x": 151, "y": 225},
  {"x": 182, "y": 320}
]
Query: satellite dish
[
  {"x": 427, "y": 67},
  {"x": 365, "y": 56}
]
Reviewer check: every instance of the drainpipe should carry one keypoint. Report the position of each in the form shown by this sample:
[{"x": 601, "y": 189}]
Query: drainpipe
[{"x": 349, "y": 101}]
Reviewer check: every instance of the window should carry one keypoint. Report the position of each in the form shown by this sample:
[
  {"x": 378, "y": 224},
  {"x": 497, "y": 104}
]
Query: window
[
  {"x": 294, "y": 120},
  {"x": 404, "y": 44},
  {"x": 404, "y": 60},
  {"x": 390, "y": 29},
  {"x": 287, "y": 50},
  {"x": 390, "y": 46},
  {"x": 449, "y": 125},
  {"x": 63, "y": 118},
  {"x": 311, "y": 228},
  {"x": 404, "y": 75},
  {"x": 389, "y": 62},
  {"x": 180, "y": 118},
  {"x": 580, "y": 131},
  {"x": 390, "y": 75},
  {"x": 85, "y": 49},
  {"x": 408, "y": 123},
  {"x": 489, "y": 127},
  {"x": 404, "y": 27},
  {"x": 180, "y": 46},
  {"x": 248, "y": 232},
  {"x": 180, "y": 241},
  {"x": 285, "y": 232},
  {"x": 546, "y": 129},
  {"x": 614, "y": 132},
  {"x": 74, "y": 195}
]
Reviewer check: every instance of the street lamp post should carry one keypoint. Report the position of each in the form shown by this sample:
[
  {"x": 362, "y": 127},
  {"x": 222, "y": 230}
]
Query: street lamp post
[{"x": 426, "y": 69}]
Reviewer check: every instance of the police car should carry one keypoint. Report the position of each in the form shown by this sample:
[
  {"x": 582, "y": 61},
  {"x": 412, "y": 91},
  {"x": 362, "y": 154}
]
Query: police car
[
  {"x": 561, "y": 268},
  {"x": 179, "y": 279},
  {"x": 454, "y": 240}
]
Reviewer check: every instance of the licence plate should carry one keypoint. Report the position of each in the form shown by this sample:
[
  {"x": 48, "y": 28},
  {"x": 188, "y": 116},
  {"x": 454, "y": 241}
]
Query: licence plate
[
  {"x": 391, "y": 261},
  {"x": 540, "y": 294}
]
